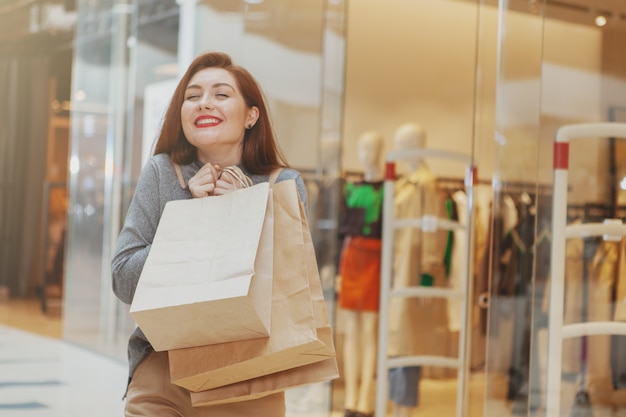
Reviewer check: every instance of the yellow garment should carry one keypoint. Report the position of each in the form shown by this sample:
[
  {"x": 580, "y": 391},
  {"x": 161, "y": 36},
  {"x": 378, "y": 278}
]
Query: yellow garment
[
  {"x": 574, "y": 257},
  {"x": 458, "y": 274},
  {"x": 606, "y": 272},
  {"x": 620, "y": 293},
  {"x": 599, "y": 308}
]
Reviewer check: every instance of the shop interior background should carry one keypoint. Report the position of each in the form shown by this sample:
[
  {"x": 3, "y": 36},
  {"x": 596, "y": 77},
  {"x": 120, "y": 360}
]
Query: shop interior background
[{"x": 493, "y": 80}]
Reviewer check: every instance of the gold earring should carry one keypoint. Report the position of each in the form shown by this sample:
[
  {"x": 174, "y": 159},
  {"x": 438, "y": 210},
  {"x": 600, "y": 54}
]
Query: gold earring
[{"x": 249, "y": 126}]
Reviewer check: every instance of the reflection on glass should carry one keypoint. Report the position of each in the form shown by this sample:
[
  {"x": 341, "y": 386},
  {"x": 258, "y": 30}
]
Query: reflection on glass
[
  {"x": 572, "y": 80},
  {"x": 117, "y": 56},
  {"x": 296, "y": 51},
  {"x": 394, "y": 78}
]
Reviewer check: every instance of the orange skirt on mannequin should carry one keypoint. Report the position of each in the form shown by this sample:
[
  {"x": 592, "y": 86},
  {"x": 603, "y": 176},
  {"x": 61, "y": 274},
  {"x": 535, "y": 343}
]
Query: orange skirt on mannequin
[{"x": 360, "y": 274}]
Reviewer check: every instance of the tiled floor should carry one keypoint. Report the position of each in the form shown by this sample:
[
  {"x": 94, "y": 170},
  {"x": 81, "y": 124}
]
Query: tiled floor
[
  {"x": 45, "y": 377},
  {"x": 41, "y": 375}
]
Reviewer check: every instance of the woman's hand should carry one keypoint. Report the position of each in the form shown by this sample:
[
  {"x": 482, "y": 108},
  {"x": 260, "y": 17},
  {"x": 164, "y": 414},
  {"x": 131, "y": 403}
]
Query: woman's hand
[
  {"x": 203, "y": 184},
  {"x": 226, "y": 182}
]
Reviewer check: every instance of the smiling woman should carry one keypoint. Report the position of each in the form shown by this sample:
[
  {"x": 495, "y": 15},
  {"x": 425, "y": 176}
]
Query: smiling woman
[{"x": 215, "y": 130}]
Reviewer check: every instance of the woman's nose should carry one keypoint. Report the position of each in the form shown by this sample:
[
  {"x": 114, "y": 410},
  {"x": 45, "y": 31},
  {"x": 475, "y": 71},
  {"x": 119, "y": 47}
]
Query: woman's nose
[{"x": 205, "y": 103}]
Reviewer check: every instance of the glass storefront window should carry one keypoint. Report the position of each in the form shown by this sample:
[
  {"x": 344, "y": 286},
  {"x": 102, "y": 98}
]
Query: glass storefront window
[
  {"x": 121, "y": 50},
  {"x": 416, "y": 82},
  {"x": 555, "y": 69},
  {"x": 493, "y": 80},
  {"x": 128, "y": 58},
  {"x": 295, "y": 50}
]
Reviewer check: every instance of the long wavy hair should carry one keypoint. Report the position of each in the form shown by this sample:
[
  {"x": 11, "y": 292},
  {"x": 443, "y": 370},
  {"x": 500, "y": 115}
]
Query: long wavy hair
[{"x": 260, "y": 151}]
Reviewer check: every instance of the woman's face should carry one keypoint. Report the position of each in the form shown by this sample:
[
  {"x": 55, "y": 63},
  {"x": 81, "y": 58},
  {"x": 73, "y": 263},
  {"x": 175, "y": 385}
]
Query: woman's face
[{"x": 214, "y": 116}]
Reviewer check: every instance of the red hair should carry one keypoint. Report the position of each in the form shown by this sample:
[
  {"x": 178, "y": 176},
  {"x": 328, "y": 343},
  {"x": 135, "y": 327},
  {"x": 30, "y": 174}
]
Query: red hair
[{"x": 260, "y": 152}]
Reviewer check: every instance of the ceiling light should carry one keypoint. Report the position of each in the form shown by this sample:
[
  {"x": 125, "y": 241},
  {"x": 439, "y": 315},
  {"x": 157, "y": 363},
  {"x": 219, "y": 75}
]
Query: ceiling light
[{"x": 600, "y": 20}]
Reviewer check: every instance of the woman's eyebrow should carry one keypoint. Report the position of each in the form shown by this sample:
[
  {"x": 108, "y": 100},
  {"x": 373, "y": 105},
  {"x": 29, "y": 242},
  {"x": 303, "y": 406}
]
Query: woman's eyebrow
[{"x": 216, "y": 85}]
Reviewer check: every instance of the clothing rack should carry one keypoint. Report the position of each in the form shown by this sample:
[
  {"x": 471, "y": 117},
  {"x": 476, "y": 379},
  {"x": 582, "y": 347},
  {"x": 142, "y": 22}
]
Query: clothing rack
[
  {"x": 390, "y": 224},
  {"x": 557, "y": 331},
  {"x": 450, "y": 183},
  {"x": 523, "y": 186},
  {"x": 453, "y": 183}
]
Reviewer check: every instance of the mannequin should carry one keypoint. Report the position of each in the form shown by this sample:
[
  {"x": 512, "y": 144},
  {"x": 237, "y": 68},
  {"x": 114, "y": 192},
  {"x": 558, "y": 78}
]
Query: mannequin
[
  {"x": 410, "y": 136},
  {"x": 359, "y": 276},
  {"x": 416, "y": 326}
]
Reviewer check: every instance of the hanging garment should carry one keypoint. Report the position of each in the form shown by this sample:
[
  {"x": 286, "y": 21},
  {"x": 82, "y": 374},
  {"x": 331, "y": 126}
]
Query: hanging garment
[
  {"x": 510, "y": 216},
  {"x": 516, "y": 271},
  {"x": 457, "y": 273},
  {"x": 455, "y": 279},
  {"x": 574, "y": 264},
  {"x": 599, "y": 307},
  {"x": 500, "y": 328},
  {"x": 618, "y": 343}
]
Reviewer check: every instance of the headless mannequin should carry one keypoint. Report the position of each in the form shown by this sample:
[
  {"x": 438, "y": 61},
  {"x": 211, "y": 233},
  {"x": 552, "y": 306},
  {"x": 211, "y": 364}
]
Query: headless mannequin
[{"x": 360, "y": 346}]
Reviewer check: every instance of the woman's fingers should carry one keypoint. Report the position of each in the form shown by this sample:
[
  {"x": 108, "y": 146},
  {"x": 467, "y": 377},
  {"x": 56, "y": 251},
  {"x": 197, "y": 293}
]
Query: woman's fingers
[
  {"x": 213, "y": 180},
  {"x": 202, "y": 184},
  {"x": 225, "y": 184}
]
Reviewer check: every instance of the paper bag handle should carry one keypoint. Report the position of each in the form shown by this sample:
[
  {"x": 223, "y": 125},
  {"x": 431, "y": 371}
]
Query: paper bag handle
[
  {"x": 274, "y": 175},
  {"x": 233, "y": 170},
  {"x": 238, "y": 174},
  {"x": 179, "y": 174}
]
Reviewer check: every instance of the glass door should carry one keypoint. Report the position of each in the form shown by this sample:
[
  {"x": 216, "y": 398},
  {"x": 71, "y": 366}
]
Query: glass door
[
  {"x": 418, "y": 77},
  {"x": 556, "y": 67},
  {"x": 128, "y": 58}
]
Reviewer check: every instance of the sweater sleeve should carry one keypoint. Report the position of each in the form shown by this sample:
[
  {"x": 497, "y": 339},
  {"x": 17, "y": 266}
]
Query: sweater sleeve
[
  {"x": 136, "y": 237},
  {"x": 292, "y": 174},
  {"x": 302, "y": 193}
]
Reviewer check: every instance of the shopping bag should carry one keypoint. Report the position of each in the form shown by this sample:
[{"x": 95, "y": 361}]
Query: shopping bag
[
  {"x": 322, "y": 371},
  {"x": 208, "y": 276},
  {"x": 294, "y": 339}
]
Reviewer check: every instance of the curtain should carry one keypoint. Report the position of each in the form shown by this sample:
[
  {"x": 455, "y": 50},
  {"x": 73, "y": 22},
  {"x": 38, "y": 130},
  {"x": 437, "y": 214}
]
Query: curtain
[{"x": 24, "y": 108}]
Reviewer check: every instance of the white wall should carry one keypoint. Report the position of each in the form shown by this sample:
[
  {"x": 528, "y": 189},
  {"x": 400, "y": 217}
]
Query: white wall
[
  {"x": 409, "y": 62},
  {"x": 416, "y": 62}
]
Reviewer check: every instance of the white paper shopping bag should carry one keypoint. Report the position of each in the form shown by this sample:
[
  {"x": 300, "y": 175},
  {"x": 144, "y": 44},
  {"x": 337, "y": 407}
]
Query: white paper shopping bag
[{"x": 208, "y": 277}]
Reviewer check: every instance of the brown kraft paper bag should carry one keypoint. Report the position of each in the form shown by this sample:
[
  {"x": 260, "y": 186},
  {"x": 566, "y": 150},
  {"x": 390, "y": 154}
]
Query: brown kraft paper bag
[
  {"x": 294, "y": 339},
  {"x": 303, "y": 375}
]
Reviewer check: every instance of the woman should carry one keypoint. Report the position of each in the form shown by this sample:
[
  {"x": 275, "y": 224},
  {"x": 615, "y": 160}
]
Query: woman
[{"x": 216, "y": 118}]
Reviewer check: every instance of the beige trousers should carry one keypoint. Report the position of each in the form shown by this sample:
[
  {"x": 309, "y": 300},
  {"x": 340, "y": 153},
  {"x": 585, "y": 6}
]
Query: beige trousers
[{"x": 151, "y": 393}]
